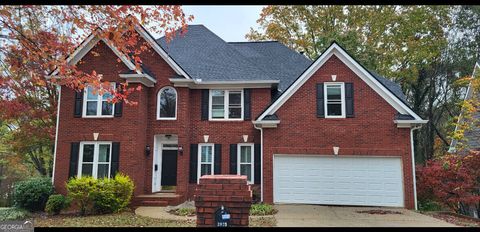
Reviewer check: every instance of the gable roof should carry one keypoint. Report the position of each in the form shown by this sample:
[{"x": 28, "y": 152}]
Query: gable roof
[
  {"x": 86, "y": 45},
  {"x": 90, "y": 42},
  {"x": 472, "y": 135},
  {"x": 378, "y": 85}
]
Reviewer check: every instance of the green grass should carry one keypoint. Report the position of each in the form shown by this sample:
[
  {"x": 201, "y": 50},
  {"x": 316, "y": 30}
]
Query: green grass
[
  {"x": 185, "y": 212},
  {"x": 123, "y": 219},
  {"x": 262, "y": 209},
  {"x": 8, "y": 214},
  {"x": 425, "y": 206}
]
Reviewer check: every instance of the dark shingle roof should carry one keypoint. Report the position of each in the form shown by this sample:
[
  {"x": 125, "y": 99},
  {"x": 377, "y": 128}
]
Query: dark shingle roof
[
  {"x": 275, "y": 58},
  {"x": 395, "y": 88},
  {"x": 399, "y": 116},
  {"x": 204, "y": 55}
]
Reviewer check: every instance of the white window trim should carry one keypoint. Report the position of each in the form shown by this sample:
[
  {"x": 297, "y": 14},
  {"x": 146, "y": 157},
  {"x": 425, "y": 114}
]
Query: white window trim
[
  {"x": 158, "y": 103},
  {"x": 99, "y": 105},
  {"x": 226, "y": 105},
  {"x": 96, "y": 150},
  {"x": 199, "y": 159},
  {"x": 252, "y": 160},
  {"x": 342, "y": 97}
]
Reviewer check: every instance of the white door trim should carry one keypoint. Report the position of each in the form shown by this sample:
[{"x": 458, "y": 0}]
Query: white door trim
[{"x": 158, "y": 142}]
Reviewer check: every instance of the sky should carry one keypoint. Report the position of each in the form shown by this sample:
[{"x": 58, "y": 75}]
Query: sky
[{"x": 231, "y": 23}]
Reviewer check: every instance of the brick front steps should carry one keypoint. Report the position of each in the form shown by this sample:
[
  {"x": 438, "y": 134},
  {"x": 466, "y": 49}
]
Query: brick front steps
[{"x": 156, "y": 199}]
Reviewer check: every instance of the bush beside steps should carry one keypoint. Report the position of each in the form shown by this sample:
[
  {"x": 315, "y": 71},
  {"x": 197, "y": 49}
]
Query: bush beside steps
[{"x": 101, "y": 196}]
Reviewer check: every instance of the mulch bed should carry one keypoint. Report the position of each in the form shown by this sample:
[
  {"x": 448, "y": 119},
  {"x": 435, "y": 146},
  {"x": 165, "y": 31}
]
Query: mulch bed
[{"x": 379, "y": 211}]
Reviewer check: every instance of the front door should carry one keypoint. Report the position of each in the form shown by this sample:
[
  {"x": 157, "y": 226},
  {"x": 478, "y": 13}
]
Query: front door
[{"x": 169, "y": 168}]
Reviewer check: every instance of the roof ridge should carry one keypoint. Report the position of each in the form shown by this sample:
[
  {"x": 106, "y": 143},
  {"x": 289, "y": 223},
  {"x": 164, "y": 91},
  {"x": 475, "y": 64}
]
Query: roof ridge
[{"x": 264, "y": 41}]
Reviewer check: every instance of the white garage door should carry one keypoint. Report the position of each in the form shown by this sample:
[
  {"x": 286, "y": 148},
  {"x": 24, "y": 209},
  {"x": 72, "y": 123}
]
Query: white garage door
[{"x": 368, "y": 181}]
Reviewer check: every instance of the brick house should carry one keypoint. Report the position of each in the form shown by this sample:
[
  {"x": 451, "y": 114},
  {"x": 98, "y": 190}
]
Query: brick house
[{"x": 326, "y": 131}]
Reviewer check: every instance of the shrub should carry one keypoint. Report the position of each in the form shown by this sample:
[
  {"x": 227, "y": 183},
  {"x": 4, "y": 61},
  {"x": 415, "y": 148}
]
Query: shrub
[
  {"x": 262, "y": 209},
  {"x": 113, "y": 195},
  {"x": 56, "y": 203},
  {"x": 8, "y": 214},
  {"x": 101, "y": 195},
  {"x": 427, "y": 205},
  {"x": 185, "y": 212},
  {"x": 80, "y": 191},
  {"x": 32, "y": 194},
  {"x": 451, "y": 180}
]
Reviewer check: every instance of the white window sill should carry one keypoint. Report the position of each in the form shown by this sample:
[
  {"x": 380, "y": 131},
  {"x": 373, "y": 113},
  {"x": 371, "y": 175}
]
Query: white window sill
[
  {"x": 105, "y": 116},
  {"x": 225, "y": 120},
  {"x": 166, "y": 119}
]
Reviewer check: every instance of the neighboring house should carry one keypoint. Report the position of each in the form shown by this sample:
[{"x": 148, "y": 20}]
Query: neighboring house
[
  {"x": 321, "y": 132},
  {"x": 472, "y": 135}
]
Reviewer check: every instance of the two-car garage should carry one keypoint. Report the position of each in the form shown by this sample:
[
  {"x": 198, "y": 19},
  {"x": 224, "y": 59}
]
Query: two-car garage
[{"x": 338, "y": 180}]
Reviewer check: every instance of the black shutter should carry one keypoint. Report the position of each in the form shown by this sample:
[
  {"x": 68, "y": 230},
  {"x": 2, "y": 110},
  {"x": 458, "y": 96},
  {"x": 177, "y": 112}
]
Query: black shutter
[
  {"x": 205, "y": 99},
  {"x": 193, "y": 162},
  {"x": 257, "y": 163},
  {"x": 217, "y": 166},
  {"x": 233, "y": 159},
  {"x": 247, "y": 111},
  {"x": 74, "y": 150},
  {"x": 77, "y": 112},
  {"x": 115, "y": 159},
  {"x": 118, "y": 106},
  {"x": 320, "y": 101},
  {"x": 349, "y": 100}
]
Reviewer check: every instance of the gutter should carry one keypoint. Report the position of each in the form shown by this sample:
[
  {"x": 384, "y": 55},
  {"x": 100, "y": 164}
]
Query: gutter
[
  {"x": 413, "y": 165},
  {"x": 261, "y": 161}
]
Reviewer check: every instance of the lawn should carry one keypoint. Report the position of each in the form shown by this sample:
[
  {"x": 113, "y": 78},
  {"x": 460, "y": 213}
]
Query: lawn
[
  {"x": 127, "y": 219},
  {"x": 123, "y": 219}
]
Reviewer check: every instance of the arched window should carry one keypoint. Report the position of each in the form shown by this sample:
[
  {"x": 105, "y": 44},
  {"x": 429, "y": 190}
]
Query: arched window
[{"x": 167, "y": 103}]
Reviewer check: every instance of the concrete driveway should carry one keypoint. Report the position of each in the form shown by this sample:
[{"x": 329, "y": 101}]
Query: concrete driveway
[{"x": 292, "y": 215}]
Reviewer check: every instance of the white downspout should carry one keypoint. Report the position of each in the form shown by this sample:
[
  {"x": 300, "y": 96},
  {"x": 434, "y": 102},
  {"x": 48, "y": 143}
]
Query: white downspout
[
  {"x": 261, "y": 161},
  {"x": 59, "y": 89},
  {"x": 413, "y": 165}
]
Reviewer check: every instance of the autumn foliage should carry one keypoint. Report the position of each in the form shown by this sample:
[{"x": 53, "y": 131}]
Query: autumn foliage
[
  {"x": 452, "y": 180},
  {"x": 36, "y": 41}
]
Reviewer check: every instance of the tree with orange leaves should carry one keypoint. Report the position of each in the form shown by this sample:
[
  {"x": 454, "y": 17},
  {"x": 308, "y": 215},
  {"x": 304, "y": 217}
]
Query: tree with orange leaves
[{"x": 36, "y": 40}]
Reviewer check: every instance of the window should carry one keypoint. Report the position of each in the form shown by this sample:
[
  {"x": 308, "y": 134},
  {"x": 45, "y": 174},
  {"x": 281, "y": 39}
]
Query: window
[
  {"x": 97, "y": 105},
  {"x": 226, "y": 104},
  {"x": 95, "y": 159},
  {"x": 245, "y": 161},
  {"x": 205, "y": 160},
  {"x": 167, "y": 104},
  {"x": 334, "y": 100}
]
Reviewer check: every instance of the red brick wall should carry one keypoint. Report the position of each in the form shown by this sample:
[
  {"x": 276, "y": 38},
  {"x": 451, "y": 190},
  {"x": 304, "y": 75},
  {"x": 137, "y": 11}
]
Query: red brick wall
[
  {"x": 138, "y": 125},
  {"x": 230, "y": 191},
  {"x": 370, "y": 132},
  {"x": 129, "y": 129}
]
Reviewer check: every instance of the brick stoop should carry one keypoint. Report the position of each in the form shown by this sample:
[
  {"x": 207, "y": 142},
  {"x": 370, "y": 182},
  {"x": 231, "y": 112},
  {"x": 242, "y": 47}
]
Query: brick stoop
[{"x": 156, "y": 199}]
